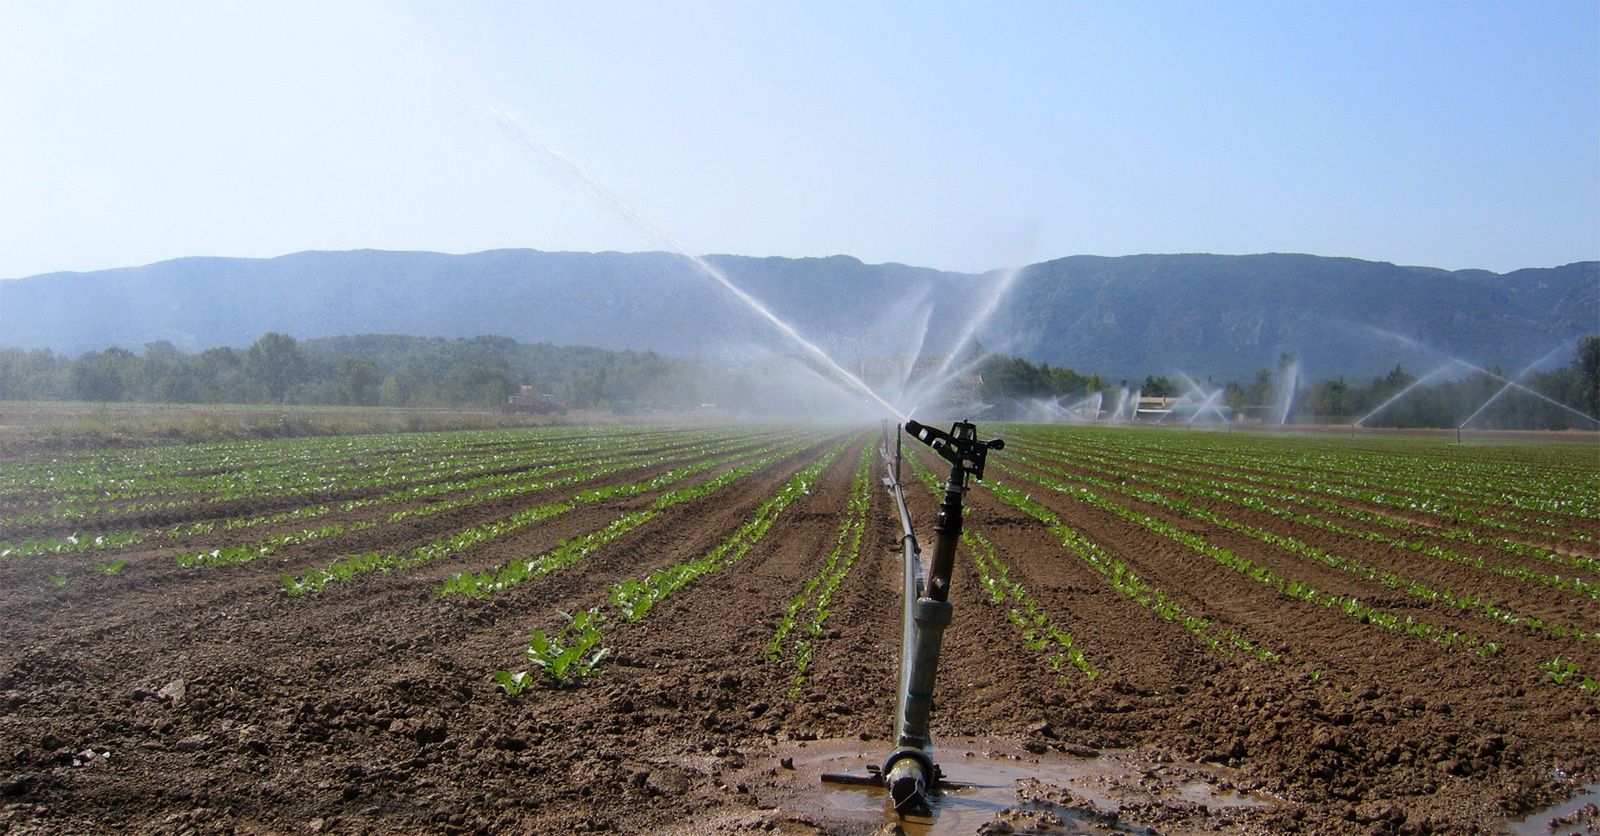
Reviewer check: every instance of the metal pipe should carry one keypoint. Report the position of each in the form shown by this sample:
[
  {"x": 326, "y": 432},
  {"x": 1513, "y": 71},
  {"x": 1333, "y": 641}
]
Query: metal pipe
[
  {"x": 947, "y": 535},
  {"x": 909, "y": 771},
  {"x": 911, "y": 582},
  {"x": 916, "y": 699},
  {"x": 912, "y": 577}
]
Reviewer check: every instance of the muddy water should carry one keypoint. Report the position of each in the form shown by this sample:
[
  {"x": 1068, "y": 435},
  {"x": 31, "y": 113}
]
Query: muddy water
[
  {"x": 1113, "y": 791},
  {"x": 1575, "y": 815}
]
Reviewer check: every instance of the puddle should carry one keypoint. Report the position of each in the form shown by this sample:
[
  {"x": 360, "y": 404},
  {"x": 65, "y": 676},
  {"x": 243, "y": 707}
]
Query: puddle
[
  {"x": 1118, "y": 791},
  {"x": 1579, "y": 819}
]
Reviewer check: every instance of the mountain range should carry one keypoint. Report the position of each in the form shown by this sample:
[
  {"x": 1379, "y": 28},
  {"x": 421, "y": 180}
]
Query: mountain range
[{"x": 1121, "y": 317}]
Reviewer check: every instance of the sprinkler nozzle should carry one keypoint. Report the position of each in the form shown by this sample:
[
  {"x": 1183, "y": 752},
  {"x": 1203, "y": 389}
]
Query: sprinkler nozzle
[{"x": 960, "y": 446}]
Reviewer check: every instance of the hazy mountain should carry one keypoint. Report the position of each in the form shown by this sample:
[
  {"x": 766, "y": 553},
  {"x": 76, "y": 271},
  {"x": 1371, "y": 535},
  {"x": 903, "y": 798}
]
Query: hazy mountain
[
  {"x": 1231, "y": 314},
  {"x": 1122, "y": 317}
]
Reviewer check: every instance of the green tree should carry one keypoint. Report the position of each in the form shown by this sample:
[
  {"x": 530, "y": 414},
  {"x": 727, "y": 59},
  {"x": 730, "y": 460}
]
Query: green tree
[
  {"x": 390, "y": 393},
  {"x": 1237, "y": 397},
  {"x": 1014, "y": 377},
  {"x": 1331, "y": 398},
  {"x": 274, "y": 363},
  {"x": 40, "y": 373},
  {"x": 359, "y": 381},
  {"x": 163, "y": 374},
  {"x": 1158, "y": 387},
  {"x": 1259, "y": 392},
  {"x": 1587, "y": 361},
  {"x": 477, "y": 385},
  {"x": 219, "y": 376},
  {"x": 103, "y": 375},
  {"x": 1398, "y": 379}
]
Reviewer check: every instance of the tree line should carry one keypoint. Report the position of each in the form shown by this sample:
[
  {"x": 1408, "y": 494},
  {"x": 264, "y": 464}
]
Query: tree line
[
  {"x": 402, "y": 371},
  {"x": 369, "y": 370},
  {"x": 1010, "y": 384}
]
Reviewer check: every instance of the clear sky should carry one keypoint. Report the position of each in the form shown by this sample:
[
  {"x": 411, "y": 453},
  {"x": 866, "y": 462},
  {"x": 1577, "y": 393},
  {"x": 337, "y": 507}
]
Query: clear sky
[{"x": 965, "y": 136}]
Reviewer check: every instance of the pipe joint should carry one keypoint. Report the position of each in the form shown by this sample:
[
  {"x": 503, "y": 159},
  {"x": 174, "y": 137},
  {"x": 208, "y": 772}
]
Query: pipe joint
[{"x": 933, "y": 613}]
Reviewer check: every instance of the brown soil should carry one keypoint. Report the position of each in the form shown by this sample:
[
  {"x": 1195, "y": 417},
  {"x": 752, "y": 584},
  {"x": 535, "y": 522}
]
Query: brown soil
[{"x": 166, "y": 700}]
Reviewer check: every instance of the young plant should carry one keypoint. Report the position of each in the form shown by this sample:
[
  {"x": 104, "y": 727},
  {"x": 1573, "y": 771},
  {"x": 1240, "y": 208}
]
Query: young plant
[
  {"x": 1560, "y": 669},
  {"x": 513, "y": 683},
  {"x": 566, "y": 656},
  {"x": 109, "y": 569}
]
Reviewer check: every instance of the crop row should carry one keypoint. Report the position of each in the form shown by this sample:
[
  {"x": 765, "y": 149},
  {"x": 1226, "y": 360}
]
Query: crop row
[
  {"x": 818, "y": 590},
  {"x": 1562, "y": 670},
  {"x": 1504, "y": 478},
  {"x": 634, "y": 598},
  {"x": 80, "y": 542},
  {"x": 1490, "y": 503},
  {"x": 306, "y": 463},
  {"x": 1250, "y": 496},
  {"x": 346, "y": 568},
  {"x": 1122, "y": 578},
  {"x": 320, "y": 477},
  {"x": 1463, "y": 601},
  {"x": 1293, "y": 589},
  {"x": 1035, "y": 627},
  {"x": 1401, "y": 479},
  {"x": 535, "y": 481},
  {"x": 574, "y": 652},
  {"x": 119, "y": 470},
  {"x": 1253, "y": 491},
  {"x": 571, "y": 550}
]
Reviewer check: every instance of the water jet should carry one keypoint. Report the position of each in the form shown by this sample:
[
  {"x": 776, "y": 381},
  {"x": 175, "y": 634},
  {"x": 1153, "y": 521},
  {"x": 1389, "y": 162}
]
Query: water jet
[{"x": 808, "y": 349}]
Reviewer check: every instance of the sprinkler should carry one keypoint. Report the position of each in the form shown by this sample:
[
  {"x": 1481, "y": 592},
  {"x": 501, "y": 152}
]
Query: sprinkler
[{"x": 909, "y": 772}]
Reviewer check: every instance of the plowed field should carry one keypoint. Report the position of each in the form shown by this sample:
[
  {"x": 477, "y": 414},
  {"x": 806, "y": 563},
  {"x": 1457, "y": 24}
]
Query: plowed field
[{"x": 1327, "y": 634}]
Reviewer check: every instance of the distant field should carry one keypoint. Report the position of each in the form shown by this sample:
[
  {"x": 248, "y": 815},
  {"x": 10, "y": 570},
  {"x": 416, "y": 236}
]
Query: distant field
[
  {"x": 33, "y": 425},
  {"x": 1378, "y": 632}
]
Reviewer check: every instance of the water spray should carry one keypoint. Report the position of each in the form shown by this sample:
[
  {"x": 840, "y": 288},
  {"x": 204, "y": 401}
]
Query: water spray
[
  {"x": 1403, "y": 392},
  {"x": 980, "y": 317},
  {"x": 1288, "y": 383},
  {"x": 918, "y": 396},
  {"x": 1210, "y": 403},
  {"x": 909, "y": 772},
  {"x": 903, "y": 389},
  {"x": 1204, "y": 402},
  {"x": 1514, "y": 382},
  {"x": 941, "y": 377},
  {"x": 1510, "y": 383},
  {"x": 837, "y": 374}
]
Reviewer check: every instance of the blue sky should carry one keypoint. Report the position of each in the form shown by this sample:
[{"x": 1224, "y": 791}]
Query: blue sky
[{"x": 962, "y": 136}]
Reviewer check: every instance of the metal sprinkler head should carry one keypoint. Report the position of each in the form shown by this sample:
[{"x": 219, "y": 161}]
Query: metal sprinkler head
[{"x": 960, "y": 446}]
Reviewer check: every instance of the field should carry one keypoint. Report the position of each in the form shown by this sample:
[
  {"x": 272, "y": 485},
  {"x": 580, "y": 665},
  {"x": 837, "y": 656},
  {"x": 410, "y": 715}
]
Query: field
[
  {"x": 661, "y": 628},
  {"x": 34, "y": 428}
]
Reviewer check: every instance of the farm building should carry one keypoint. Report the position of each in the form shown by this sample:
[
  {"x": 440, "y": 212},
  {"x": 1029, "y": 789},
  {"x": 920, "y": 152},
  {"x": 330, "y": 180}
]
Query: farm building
[{"x": 1154, "y": 409}]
